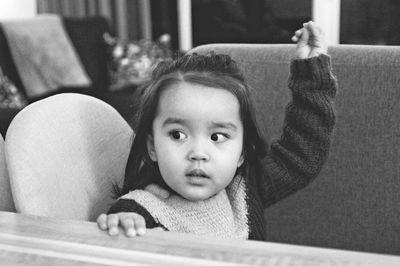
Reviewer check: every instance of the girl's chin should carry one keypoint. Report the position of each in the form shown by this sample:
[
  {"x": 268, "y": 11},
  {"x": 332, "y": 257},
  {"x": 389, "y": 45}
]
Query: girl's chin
[
  {"x": 197, "y": 196},
  {"x": 194, "y": 197}
]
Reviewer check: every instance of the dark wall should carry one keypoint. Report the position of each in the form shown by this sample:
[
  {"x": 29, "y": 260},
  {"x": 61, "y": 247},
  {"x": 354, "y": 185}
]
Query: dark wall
[
  {"x": 255, "y": 21},
  {"x": 164, "y": 17},
  {"x": 370, "y": 22}
]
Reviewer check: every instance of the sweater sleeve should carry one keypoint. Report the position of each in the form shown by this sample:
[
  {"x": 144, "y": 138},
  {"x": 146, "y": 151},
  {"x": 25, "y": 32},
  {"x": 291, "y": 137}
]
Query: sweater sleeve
[
  {"x": 127, "y": 205},
  {"x": 298, "y": 156}
]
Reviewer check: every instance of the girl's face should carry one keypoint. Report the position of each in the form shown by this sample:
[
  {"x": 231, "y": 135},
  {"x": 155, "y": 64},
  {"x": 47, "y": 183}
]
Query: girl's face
[{"x": 197, "y": 139}]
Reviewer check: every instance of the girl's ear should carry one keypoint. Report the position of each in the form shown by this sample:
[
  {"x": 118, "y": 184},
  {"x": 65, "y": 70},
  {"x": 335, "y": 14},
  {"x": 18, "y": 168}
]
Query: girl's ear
[
  {"x": 150, "y": 148},
  {"x": 241, "y": 160}
]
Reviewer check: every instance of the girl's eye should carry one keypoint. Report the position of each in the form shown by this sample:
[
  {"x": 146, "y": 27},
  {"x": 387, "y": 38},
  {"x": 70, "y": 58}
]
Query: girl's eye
[
  {"x": 177, "y": 135},
  {"x": 219, "y": 137}
]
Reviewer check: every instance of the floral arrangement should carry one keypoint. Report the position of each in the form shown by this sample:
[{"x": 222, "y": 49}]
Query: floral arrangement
[
  {"x": 131, "y": 62},
  {"x": 10, "y": 96}
]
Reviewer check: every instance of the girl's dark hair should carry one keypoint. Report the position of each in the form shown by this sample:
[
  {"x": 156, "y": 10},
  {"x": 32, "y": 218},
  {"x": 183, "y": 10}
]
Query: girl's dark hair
[{"x": 212, "y": 70}]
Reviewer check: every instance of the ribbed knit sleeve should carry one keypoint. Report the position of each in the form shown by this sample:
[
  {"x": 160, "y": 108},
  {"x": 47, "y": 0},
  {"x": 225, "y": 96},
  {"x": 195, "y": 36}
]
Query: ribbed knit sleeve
[
  {"x": 127, "y": 205},
  {"x": 298, "y": 156}
]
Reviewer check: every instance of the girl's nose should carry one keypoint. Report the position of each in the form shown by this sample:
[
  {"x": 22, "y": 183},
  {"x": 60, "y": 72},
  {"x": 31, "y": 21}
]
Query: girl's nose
[
  {"x": 198, "y": 153},
  {"x": 198, "y": 156}
]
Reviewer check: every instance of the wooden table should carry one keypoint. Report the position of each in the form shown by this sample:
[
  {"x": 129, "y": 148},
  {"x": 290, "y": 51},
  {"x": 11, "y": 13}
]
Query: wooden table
[{"x": 32, "y": 240}]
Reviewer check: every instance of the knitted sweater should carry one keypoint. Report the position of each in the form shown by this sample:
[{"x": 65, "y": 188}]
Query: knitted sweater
[{"x": 293, "y": 161}]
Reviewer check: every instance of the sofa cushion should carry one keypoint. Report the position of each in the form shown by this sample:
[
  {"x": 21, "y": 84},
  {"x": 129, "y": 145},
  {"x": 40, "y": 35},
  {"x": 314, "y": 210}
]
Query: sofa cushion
[
  {"x": 44, "y": 54},
  {"x": 7, "y": 63}
]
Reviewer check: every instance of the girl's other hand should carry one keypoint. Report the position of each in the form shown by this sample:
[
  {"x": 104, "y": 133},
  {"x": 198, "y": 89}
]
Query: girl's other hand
[
  {"x": 132, "y": 223},
  {"x": 310, "y": 41}
]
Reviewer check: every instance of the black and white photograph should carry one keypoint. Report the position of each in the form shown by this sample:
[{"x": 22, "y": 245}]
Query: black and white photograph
[{"x": 200, "y": 132}]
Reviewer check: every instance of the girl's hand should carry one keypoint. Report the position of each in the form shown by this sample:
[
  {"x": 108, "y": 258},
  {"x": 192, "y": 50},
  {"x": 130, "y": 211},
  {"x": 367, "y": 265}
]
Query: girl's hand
[
  {"x": 132, "y": 223},
  {"x": 310, "y": 41}
]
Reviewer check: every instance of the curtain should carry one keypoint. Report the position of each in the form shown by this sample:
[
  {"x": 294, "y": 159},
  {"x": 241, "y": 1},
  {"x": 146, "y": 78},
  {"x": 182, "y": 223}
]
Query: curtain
[{"x": 129, "y": 19}]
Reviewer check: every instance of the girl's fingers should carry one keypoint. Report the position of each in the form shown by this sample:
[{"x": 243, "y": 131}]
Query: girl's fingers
[
  {"x": 140, "y": 224},
  {"x": 297, "y": 35},
  {"x": 112, "y": 224},
  {"x": 313, "y": 29},
  {"x": 303, "y": 39},
  {"x": 132, "y": 223},
  {"x": 128, "y": 224},
  {"x": 102, "y": 221},
  {"x": 298, "y": 32}
]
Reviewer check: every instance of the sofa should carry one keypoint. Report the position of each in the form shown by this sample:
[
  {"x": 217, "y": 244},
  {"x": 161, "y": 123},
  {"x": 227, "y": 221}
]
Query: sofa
[
  {"x": 86, "y": 35},
  {"x": 354, "y": 203}
]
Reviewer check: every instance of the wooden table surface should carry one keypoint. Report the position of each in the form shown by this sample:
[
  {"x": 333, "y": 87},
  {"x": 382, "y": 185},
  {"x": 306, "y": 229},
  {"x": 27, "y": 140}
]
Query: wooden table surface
[{"x": 32, "y": 240}]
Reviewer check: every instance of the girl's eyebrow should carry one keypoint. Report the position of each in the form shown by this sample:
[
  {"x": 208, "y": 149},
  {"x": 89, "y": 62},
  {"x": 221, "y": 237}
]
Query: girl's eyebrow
[
  {"x": 227, "y": 125},
  {"x": 174, "y": 120}
]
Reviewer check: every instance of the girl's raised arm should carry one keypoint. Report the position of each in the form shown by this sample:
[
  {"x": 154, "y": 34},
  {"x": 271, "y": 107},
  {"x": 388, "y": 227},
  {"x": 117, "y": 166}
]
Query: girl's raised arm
[{"x": 298, "y": 156}]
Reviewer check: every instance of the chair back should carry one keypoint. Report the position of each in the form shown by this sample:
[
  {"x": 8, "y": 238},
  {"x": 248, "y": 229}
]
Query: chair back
[
  {"x": 64, "y": 153},
  {"x": 6, "y": 201}
]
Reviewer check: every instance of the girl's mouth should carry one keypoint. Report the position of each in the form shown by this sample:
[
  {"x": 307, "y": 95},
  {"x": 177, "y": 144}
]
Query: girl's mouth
[{"x": 197, "y": 173}]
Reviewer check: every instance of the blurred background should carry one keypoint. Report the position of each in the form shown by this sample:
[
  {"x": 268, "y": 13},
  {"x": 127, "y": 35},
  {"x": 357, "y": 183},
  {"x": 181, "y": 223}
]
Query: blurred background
[{"x": 189, "y": 23}]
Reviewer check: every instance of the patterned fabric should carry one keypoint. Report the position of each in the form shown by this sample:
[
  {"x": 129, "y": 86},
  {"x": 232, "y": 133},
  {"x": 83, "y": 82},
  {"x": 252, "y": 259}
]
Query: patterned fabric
[
  {"x": 296, "y": 158},
  {"x": 10, "y": 97},
  {"x": 223, "y": 215}
]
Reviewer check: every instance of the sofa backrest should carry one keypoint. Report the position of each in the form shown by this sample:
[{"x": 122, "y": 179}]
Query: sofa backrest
[{"x": 355, "y": 202}]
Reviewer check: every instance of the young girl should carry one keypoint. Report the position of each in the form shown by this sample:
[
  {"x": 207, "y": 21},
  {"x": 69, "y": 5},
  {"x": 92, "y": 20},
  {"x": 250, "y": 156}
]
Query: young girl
[{"x": 199, "y": 164}]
